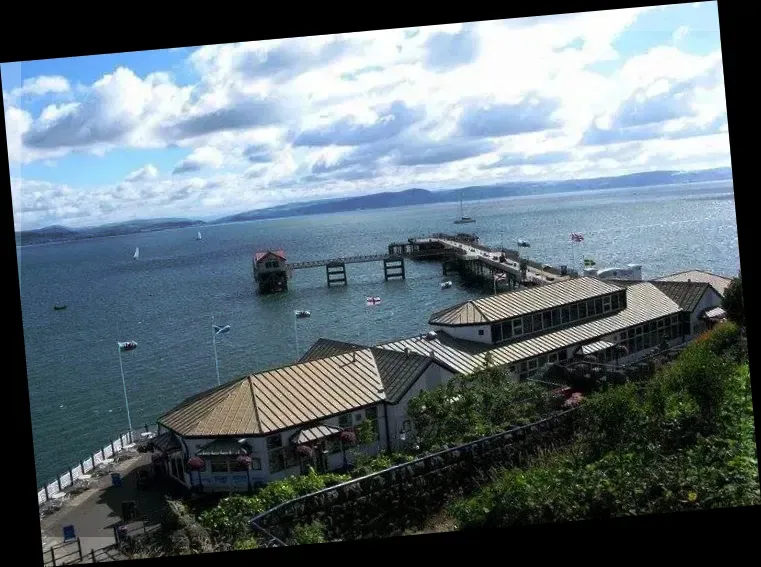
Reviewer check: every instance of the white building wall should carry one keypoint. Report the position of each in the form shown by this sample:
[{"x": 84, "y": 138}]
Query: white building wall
[
  {"x": 433, "y": 377},
  {"x": 709, "y": 300},
  {"x": 469, "y": 333}
]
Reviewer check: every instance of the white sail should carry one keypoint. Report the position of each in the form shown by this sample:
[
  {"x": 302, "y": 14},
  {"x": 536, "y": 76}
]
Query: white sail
[
  {"x": 137, "y": 253},
  {"x": 199, "y": 236}
]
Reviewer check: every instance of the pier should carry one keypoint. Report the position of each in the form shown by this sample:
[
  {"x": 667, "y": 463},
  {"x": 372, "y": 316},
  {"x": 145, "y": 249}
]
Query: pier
[{"x": 463, "y": 253}]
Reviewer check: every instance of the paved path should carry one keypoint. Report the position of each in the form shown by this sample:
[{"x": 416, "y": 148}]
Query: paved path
[{"x": 94, "y": 512}]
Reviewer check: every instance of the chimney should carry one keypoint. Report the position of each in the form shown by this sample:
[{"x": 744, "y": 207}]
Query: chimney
[
  {"x": 407, "y": 351},
  {"x": 432, "y": 354},
  {"x": 354, "y": 356}
]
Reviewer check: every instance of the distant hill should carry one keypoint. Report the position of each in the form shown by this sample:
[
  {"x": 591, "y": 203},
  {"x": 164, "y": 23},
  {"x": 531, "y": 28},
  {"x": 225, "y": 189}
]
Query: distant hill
[
  {"x": 384, "y": 200},
  {"x": 60, "y": 233},
  {"x": 412, "y": 197}
]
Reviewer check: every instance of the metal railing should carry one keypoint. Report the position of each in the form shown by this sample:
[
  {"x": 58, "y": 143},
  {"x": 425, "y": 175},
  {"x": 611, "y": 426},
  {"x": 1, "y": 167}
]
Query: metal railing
[{"x": 69, "y": 477}]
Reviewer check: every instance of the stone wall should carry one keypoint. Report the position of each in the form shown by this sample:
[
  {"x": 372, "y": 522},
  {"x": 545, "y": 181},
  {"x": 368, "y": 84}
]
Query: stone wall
[{"x": 402, "y": 497}]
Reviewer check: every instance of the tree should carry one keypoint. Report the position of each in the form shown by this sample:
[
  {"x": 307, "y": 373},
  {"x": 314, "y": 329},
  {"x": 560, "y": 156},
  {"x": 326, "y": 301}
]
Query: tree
[{"x": 733, "y": 302}]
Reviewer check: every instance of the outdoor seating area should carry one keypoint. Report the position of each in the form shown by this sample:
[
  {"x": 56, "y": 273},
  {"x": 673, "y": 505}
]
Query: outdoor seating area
[{"x": 54, "y": 503}]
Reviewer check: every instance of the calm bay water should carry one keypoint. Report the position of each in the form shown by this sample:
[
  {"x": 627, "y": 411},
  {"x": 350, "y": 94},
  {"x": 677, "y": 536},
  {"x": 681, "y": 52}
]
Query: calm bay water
[{"x": 166, "y": 299}]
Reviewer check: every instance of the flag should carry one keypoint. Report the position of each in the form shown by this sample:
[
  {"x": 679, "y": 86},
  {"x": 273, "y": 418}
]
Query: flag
[
  {"x": 588, "y": 262},
  {"x": 576, "y": 237},
  {"x": 372, "y": 300},
  {"x": 499, "y": 276},
  {"x": 127, "y": 345},
  {"x": 218, "y": 330}
]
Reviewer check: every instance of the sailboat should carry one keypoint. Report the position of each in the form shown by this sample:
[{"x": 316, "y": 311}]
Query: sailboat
[
  {"x": 137, "y": 254},
  {"x": 463, "y": 219},
  {"x": 199, "y": 237}
]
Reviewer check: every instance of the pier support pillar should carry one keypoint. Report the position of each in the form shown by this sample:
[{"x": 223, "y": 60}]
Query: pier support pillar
[
  {"x": 336, "y": 273},
  {"x": 393, "y": 268}
]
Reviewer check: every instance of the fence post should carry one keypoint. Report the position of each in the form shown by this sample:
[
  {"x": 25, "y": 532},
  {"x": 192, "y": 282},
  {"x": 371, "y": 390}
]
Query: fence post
[
  {"x": 58, "y": 480},
  {"x": 92, "y": 555},
  {"x": 82, "y": 466},
  {"x": 47, "y": 496},
  {"x": 146, "y": 428},
  {"x": 52, "y": 555},
  {"x": 103, "y": 453},
  {"x": 113, "y": 451},
  {"x": 79, "y": 547}
]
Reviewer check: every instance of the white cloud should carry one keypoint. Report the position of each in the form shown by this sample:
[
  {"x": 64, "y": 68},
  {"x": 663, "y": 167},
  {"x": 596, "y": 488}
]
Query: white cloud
[
  {"x": 433, "y": 106},
  {"x": 201, "y": 158},
  {"x": 147, "y": 172},
  {"x": 42, "y": 85},
  {"x": 680, "y": 33}
]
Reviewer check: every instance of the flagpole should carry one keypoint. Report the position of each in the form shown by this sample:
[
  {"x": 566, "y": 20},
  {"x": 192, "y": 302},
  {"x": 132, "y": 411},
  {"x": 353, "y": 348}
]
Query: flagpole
[
  {"x": 214, "y": 342},
  {"x": 124, "y": 385},
  {"x": 296, "y": 334}
]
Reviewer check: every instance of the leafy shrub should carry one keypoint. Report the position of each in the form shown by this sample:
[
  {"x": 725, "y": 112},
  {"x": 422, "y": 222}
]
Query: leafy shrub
[
  {"x": 248, "y": 543},
  {"x": 228, "y": 521},
  {"x": 303, "y": 534},
  {"x": 610, "y": 418}
]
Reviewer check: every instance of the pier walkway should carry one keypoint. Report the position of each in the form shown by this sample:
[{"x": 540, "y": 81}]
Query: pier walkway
[
  {"x": 349, "y": 260},
  {"x": 491, "y": 257}
]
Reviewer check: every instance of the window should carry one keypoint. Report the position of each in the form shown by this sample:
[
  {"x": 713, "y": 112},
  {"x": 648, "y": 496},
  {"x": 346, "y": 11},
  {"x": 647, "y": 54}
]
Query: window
[
  {"x": 583, "y": 310},
  {"x": 507, "y": 329},
  {"x": 220, "y": 466},
  {"x": 563, "y": 355},
  {"x": 646, "y": 340},
  {"x": 344, "y": 421},
  {"x": 480, "y": 332},
  {"x": 357, "y": 417},
  {"x": 638, "y": 343},
  {"x": 279, "y": 457},
  {"x": 528, "y": 326},
  {"x": 547, "y": 319},
  {"x": 406, "y": 426},
  {"x": 555, "y": 317},
  {"x": 523, "y": 367},
  {"x": 334, "y": 446},
  {"x": 518, "y": 326},
  {"x": 598, "y": 305},
  {"x": 537, "y": 322},
  {"x": 543, "y": 360},
  {"x": 574, "y": 312},
  {"x": 590, "y": 307},
  {"x": 606, "y": 304},
  {"x": 553, "y": 357},
  {"x": 661, "y": 322},
  {"x": 673, "y": 319},
  {"x": 274, "y": 442},
  {"x": 565, "y": 315},
  {"x": 496, "y": 333},
  {"x": 533, "y": 364},
  {"x": 614, "y": 301},
  {"x": 638, "y": 330},
  {"x": 256, "y": 464}
]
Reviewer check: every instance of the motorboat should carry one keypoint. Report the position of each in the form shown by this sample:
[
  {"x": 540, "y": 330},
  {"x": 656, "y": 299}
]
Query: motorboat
[
  {"x": 446, "y": 285},
  {"x": 302, "y": 314}
]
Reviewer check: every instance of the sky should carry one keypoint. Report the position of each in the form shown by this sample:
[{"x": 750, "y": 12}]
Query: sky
[{"x": 207, "y": 131}]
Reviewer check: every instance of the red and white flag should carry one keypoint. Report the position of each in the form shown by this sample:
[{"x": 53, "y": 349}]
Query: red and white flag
[
  {"x": 576, "y": 237},
  {"x": 372, "y": 301}
]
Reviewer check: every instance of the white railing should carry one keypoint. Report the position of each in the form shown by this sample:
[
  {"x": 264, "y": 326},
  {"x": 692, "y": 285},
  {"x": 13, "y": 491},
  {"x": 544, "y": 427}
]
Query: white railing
[{"x": 90, "y": 463}]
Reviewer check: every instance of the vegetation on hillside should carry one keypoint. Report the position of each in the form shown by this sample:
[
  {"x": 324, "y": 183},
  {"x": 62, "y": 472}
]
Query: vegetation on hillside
[
  {"x": 228, "y": 521},
  {"x": 733, "y": 303},
  {"x": 469, "y": 407},
  {"x": 682, "y": 441}
]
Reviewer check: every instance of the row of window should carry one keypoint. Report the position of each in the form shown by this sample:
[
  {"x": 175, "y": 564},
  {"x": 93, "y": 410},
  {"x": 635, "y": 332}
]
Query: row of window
[
  {"x": 283, "y": 457},
  {"x": 552, "y": 318},
  {"x": 272, "y": 264},
  {"x": 225, "y": 465},
  {"x": 641, "y": 337}
]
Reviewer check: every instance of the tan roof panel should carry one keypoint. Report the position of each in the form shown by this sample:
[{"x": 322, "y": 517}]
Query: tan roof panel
[
  {"x": 515, "y": 303},
  {"x": 719, "y": 283},
  {"x": 281, "y": 398},
  {"x": 324, "y": 348},
  {"x": 644, "y": 303}
]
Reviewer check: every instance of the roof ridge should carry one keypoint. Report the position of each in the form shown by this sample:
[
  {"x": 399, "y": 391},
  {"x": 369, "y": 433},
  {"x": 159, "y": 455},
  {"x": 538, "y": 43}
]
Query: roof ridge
[{"x": 257, "y": 420}]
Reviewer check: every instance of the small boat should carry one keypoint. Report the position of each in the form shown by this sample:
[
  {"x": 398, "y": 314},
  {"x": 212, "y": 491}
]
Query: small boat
[
  {"x": 446, "y": 285},
  {"x": 137, "y": 254},
  {"x": 59, "y": 307},
  {"x": 302, "y": 314},
  {"x": 523, "y": 243},
  {"x": 199, "y": 237},
  {"x": 463, "y": 219}
]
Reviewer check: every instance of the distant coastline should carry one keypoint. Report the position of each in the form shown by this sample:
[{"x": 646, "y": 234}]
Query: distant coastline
[{"x": 384, "y": 200}]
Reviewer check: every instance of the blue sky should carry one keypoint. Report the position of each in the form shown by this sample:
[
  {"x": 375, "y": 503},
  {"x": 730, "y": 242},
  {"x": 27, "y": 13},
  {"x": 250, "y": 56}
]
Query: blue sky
[{"x": 206, "y": 131}]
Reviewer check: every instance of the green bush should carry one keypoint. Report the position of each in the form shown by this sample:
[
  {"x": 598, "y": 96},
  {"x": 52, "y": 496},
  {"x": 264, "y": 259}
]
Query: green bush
[
  {"x": 229, "y": 520},
  {"x": 683, "y": 441},
  {"x": 249, "y": 543},
  {"x": 303, "y": 534}
]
